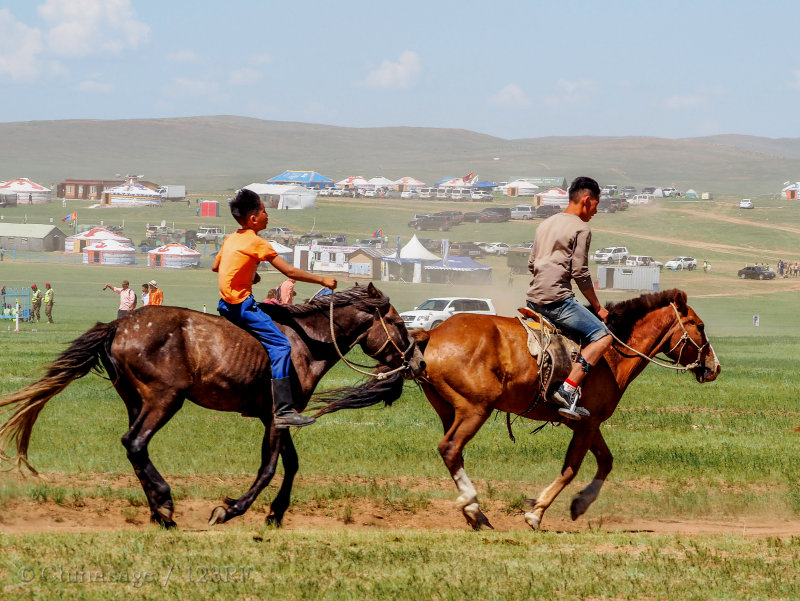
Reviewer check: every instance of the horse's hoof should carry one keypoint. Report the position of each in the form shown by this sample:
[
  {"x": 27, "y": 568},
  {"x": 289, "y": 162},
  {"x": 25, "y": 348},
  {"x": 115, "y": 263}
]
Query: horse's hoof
[
  {"x": 160, "y": 521},
  {"x": 273, "y": 521},
  {"x": 578, "y": 506},
  {"x": 218, "y": 516},
  {"x": 532, "y": 521}
]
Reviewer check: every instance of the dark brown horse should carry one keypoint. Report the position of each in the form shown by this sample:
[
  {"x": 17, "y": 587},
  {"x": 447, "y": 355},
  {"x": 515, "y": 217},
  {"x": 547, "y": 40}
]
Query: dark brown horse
[
  {"x": 157, "y": 357},
  {"x": 476, "y": 364}
]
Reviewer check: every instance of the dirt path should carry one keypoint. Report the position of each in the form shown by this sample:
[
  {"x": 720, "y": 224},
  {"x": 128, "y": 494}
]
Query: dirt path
[{"x": 23, "y": 515}]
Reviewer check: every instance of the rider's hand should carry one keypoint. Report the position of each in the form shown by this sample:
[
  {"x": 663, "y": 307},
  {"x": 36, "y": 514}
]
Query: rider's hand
[{"x": 329, "y": 283}]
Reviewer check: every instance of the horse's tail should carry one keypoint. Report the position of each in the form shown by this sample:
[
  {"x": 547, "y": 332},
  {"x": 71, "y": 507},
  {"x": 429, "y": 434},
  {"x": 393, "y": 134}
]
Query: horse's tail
[
  {"x": 386, "y": 389},
  {"x": 83, "y": 355}
]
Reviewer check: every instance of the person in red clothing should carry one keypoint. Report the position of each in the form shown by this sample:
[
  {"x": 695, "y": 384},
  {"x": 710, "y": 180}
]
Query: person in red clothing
[{"x": 236, "y": 264}]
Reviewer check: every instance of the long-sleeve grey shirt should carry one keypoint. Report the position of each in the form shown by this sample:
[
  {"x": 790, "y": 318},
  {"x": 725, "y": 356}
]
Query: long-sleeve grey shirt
[{"x": 560, "y": 254}]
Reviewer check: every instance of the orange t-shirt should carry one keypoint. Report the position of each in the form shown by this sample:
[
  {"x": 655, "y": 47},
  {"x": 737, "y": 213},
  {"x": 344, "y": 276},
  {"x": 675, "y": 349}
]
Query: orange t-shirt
[
  {"x": 239, "y": 257},
  {"x": 156, "y": 297}
]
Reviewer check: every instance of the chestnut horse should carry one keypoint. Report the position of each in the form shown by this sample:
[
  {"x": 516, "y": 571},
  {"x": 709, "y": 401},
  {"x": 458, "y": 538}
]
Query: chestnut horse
[
  {"x": 157, "y": 357},
  {"x": 476, "y": 364}
]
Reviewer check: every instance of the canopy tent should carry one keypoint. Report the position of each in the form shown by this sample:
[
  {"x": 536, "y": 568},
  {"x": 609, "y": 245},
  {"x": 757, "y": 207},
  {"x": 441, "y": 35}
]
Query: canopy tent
[
  {"x": 461, "y": 270},
  {"x": 173, "y": 256},
  {"x": 555, "y": 196},
  {"x": 309, "y": 179},
  {"x": 131, "y": 194},
  {"x": 408, "y": 266},
  {"x": 286, "y": 196},
  {"x": 691, "y": 194},
  {"x": 485, "y": 185},
  {"x": 381, "y": 182},
  {"x": 26, "y": 191},
  {"x": 109, "y": 252},
  {"x": 354, "y": 181},
  {"x": 77, "y": 242}
]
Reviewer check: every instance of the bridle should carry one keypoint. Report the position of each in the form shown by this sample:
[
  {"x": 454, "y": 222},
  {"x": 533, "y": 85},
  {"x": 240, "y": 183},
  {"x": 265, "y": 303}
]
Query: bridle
[
  {"x": 355, "y": 366},
  {"x": 684, "y": 340}
]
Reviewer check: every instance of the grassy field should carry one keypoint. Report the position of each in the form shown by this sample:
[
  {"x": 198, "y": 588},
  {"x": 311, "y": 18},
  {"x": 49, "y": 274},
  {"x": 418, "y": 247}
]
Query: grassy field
[{"x": 723, "y": 451}]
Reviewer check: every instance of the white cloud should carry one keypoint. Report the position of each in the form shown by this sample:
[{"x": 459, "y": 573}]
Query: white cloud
[
  {"x": 796, "y": 82},
  {"x": 182, "y": 56},
  {"x": 510, "y": 96},
  {"x": 94, "y": 86},
  {"x": 183, "y": 86},
  {"x": 571, "y": 93},
  {"x": 681, "y": 102},
  {"x": 261, "y": 59},
  {"x": 399, "y": 74},
  {"x": 85, "y": 27},
  {"x": 20, "y": 48},
  {"x": 243, "y": 76}
]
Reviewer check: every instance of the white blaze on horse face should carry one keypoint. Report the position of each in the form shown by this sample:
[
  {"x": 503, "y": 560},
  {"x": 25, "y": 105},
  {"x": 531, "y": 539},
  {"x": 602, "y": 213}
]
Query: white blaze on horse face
[
  {"x": 717, "y": 366},
  {"x": 468, "y": 493}
]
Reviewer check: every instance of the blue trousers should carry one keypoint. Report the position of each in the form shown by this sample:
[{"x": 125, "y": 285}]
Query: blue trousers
[{"x": 248, "y": 316}]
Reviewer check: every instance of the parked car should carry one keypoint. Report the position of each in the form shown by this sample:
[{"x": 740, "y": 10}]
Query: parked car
[
  {"x": 746, "y": 203},
  {"x": 489, "y": 215},
  {"x": 434, "y": 311},
  {"x": 644, "y": 261},
  {"x": 311, "y": 238},
  {"x": 610, "y": 190},
  {"x": 431, "y": 244},
  {"x": 611, "y": 254},
  {"x": 466, "y": 249},
  {"x": 427, "y": 192},
  {"x": 544, "y": 211},
  {"x": 670, "y": 192},
  {"x": 430, "y": 222},
  {"x": 648, "y": 190},
  {"x": 681, "y": 263},
  {"x": 337, "y": 191},
  {"x": 368, "y": 243},
  {"x": 332, "y": 240},
  {"x": 479, "y": 195},
  {"x": 409, "y": 194},
  {"x": 756, "y": 272},
  {"x": 523, "y": 212},
  {"x": 605, "y": 205},
  {"x": 455, "y": 217},
  {"x": 278, "y": 231},
  {"x": 209, "y": 233},
  {"x": 641, "y": 199},
  {"x": 496, "y": 248},
  {"x": 628, "y": 191}
]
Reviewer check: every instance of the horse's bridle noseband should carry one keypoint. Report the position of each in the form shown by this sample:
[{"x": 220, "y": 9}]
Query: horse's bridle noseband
[{"x": 405, "y": 355}]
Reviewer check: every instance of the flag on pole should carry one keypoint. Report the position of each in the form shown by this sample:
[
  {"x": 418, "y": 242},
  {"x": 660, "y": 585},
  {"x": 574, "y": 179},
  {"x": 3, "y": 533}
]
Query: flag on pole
[
  {"x": 378, "y": 233},
  {"x": 71, "y": 217}
]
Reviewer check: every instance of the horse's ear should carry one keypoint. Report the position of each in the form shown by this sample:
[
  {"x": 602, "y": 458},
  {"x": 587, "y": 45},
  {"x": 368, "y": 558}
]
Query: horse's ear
[
  {"x": 680, "y": 299},
  {"x": 373, "y": 292}
]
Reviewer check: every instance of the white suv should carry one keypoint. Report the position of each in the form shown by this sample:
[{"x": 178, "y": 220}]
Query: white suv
[
  {"x": 681, "y": 263},
  {"x": 611, "y": 254},
  {"x": 209, "y": 233},
  {"x": 434, "y": 311}
]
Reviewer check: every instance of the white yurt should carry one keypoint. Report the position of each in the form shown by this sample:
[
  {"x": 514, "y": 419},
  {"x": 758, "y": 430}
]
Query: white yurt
[
  {"x": 556, "y": 197},
  {"x": 285, "y": 196},
  {"x": 26, "y": 191},
  {"x": 109, "y": 252},
  {"x": 173, "y": 256},
  {"x": 78, "y": 242},
  {"x": 131, "y": 194}
]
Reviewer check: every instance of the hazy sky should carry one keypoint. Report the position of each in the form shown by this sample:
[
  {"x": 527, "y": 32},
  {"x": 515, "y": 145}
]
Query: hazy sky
[{"x": 507, "y": 68}]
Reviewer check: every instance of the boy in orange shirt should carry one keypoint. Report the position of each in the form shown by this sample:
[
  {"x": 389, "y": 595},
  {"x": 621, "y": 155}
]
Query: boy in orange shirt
[{"x": 236, "y": 264}]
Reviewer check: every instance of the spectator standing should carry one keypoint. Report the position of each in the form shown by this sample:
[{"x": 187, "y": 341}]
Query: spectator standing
[
  {"x": 156, "y": 294},
  {"x": 145, "y": 294},
  {"x": 36, "y": 304},
  {"x": 49, "y": 299},
  {"x": 127, "y": 298},
  {"x": 286, "y": 292}
]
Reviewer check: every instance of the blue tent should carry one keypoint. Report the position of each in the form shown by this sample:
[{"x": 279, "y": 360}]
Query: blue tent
[
  {"x": 485, "y": 184},
  {"x": 458, "y": 270},
  {"x": 309, "y": 179}
]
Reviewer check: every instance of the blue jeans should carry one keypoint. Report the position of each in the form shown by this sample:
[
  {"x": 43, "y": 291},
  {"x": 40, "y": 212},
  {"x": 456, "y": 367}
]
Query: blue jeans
[
  {"x": 249, "y": 317},
  {"x": 573, "y": 317}
]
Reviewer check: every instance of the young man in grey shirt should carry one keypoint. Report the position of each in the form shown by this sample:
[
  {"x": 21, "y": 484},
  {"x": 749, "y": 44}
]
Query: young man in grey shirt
[{"x": 560, "y": 254}]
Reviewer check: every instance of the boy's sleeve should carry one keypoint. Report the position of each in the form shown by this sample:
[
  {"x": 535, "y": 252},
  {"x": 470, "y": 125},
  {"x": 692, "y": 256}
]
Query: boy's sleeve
[{"x": 264, "y": 250}]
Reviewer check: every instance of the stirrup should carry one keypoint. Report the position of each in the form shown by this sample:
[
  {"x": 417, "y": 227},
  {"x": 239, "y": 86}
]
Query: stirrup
[{"x": 292, "y": 419}]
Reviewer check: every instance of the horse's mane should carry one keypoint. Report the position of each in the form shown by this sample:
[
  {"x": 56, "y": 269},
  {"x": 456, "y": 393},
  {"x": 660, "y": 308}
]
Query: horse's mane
[
  {"x": 622, "y": 316},
  {"x": 357, "y": 296}
]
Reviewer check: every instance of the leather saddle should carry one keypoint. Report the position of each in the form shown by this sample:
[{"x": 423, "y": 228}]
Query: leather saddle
[{"x": 553, "y": 351}]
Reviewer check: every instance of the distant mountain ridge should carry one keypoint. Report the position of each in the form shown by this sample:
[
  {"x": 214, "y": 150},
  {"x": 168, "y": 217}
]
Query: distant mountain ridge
[{"x": 227, "y": 152}]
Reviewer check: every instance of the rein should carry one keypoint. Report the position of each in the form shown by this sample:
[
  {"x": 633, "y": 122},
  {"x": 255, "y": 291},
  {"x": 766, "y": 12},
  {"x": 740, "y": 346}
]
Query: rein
[
  {"x": 356, "y": 367},
  {"x": 684, "y": 339}
]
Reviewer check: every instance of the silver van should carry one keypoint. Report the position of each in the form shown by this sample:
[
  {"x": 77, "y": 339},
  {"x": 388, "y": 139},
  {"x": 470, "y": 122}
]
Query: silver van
[{"x": 523, "y": 212}]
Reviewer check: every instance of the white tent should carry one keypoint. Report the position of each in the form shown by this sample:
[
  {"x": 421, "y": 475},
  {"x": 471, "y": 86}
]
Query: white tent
[
  {"x": 109, "y": 252},
  {"x": 284, "y": 252},
  {"x": 381, "y": 182},
  {"x": 415, "y": 251},
  {"x": 91, "y": 236},
  {"x": 174, "y": 256},
  {"x": 520, "y": 187},
  {"x": 410, "y": 262},
  {"x": 131, "y": 194},
  {"x": 285, "y": 196},
  {"x": 556, "y": 197},
  {"x": 354, "y": 181},
  {"x": 26, "y": 191},
  {"x": 409, "y": 182}
]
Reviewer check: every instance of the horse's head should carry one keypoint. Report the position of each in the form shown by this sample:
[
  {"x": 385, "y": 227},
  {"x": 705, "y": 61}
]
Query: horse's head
[
  {"x": 687, "y": 344},
  {"x": 386, "y": 339}
]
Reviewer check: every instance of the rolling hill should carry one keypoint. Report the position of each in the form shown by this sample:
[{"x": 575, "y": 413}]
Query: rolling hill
[{"x": 225, "y": 152}]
